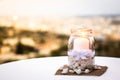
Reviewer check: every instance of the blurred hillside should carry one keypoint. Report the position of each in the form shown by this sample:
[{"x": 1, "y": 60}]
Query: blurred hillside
[{"x": 29, "y": 37}]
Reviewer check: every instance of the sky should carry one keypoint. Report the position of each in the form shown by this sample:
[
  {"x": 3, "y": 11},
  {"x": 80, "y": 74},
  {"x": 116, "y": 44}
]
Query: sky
[{"x": 60, "y": 7}]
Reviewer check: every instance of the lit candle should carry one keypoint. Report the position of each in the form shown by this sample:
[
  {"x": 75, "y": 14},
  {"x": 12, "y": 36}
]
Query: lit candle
[{"x": 81, "y": 44}]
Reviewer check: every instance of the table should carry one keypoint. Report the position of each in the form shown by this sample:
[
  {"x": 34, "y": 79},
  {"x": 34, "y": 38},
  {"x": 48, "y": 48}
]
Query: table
[{"x": 45, "y": 68}]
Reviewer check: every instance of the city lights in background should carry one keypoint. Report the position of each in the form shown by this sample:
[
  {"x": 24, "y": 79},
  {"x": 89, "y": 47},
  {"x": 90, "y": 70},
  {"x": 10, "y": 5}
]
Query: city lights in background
[{"x": 39, "y": 28}]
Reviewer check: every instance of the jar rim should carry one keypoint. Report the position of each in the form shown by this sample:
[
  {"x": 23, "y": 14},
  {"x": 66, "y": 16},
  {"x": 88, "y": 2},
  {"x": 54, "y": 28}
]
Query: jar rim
[{"x": 81, "y": 30}]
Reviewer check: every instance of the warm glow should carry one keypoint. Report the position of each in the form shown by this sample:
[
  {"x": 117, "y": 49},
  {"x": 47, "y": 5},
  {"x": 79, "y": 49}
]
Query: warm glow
[
  {"x": 31, "y": 25},
  {"x": 15, "y": 18}
]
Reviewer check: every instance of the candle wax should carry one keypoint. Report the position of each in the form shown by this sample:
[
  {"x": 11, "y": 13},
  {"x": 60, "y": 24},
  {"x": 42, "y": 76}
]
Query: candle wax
[{"x": 81, "y": 44}]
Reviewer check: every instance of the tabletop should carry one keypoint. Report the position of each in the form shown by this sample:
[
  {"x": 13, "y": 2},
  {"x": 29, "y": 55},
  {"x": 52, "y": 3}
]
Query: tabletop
[{"x": 45, "y": 68}]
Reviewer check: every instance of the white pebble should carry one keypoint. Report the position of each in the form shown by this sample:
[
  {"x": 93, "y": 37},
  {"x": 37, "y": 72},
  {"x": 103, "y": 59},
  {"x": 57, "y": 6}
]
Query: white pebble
[
  {"x": 70, "y": 66},
  {"x": 61, "y": 68},
  {"x": 78, "y": 71},
  {"x": 65, "y": 70},
  {"x": 79, "y": 67},
  {"x": 71, "y": 71},
  {"x": 83, "y": 65},
  {"x": 97, "y": 67},
  {"x": 76, "y": 65},
  {"x": 74, "y": 69},
  {"x": 86, "y": 71}
]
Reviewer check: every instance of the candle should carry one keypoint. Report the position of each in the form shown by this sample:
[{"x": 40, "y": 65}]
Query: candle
[{"x": 81, "y": 44}]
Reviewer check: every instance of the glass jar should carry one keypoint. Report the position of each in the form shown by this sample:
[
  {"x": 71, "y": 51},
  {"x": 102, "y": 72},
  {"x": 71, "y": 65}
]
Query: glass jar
[{"x": 81, "y": 49}]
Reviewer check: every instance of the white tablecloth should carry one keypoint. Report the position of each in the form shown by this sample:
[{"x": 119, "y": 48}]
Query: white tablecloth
[{"x": 45, "y": 68}]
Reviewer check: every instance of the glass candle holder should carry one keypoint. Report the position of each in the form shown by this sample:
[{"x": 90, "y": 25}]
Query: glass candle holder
[{"x": 81, "y": 49}]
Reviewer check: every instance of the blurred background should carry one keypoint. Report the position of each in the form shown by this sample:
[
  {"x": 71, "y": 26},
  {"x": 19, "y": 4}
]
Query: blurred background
[{"x": 41, "y": 28}]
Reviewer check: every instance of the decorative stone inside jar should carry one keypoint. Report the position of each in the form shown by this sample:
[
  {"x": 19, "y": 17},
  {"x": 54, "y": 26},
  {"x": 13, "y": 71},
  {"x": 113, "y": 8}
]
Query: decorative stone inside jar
[{"x": 81, "y": 59}]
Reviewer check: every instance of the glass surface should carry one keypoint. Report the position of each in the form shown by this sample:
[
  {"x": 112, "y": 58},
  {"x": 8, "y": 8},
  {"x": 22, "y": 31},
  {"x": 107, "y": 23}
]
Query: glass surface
[{"x": 81, "y": 49}]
